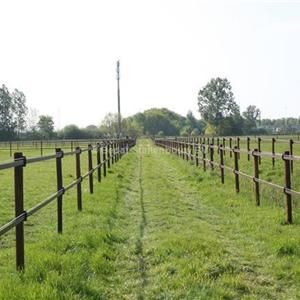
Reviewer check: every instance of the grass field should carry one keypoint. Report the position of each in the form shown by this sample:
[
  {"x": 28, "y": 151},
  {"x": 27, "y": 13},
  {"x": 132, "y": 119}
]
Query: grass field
[{"x": 156, "y": 228}]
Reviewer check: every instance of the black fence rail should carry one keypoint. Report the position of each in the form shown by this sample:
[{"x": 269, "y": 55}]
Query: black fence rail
[
  {"x": 42, "y": 145},
  {"x": 200, "y": 153},
  {"x": 111, "y": 150},
  {"x": 290, "y": 142}
]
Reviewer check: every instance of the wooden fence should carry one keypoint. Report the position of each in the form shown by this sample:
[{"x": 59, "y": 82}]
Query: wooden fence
[
  {"x": 42, "y": 145},
  {"x": 197, "y": 151},
  {"x": 112, "y": 151}
]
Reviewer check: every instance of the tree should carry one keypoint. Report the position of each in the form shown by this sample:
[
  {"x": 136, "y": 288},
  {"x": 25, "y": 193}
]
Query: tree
[
  {"x": 19, "y": 110},
  {"x": 46, "y": 126},
  {"x": 72, "y": 132},
  {"x": 92, "y": 132},
  {"x": 7, "y": 125},
  {"x": 216, "y": 103},
  {"x": 109, "y": 124},
  {"x": 251, "y": 116},
  {"x": 131, "y": 127}
]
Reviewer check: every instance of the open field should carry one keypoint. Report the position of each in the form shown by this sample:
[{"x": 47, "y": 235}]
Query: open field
[{"x": 156, "y": 228}]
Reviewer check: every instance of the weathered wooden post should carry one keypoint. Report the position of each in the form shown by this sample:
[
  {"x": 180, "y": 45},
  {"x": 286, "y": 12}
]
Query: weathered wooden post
[
  {"x": 211, "y": 156},
  {"x": 104, "y": 159},
  {"x": 108, "y": 155},
  {"x": 79, "y": 178},
  {"x": 203, "y": 157},
  {"x": 236, "y": 169},
  {"x": 259, "y": 149},
  {"x": 291, "y": 153},
  {"x": 19, "y": 209},
  {"x": 197, "y": 154},
  {"x": 221, "y": 163},
  {"x": 248, "y": 148},
  {"x": 90, "y": 165},
  {"x": 98, "y": 162},
  {"x": 273, "y": 151},
  {"x": 288, "y": 206},
  {"x": 256, "y": 176},
  {"x": 59, "y": 180}
]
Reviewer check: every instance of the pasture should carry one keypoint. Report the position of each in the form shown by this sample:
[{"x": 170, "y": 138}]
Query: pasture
[{"x": 157, "y": 227}]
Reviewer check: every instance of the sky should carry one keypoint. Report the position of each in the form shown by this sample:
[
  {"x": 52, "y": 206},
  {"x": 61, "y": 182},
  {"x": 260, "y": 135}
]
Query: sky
[{"x": 62, "y": 55}]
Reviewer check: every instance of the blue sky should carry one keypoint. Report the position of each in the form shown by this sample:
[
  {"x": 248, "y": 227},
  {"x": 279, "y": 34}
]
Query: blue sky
[{"x": 62, "y": 54}]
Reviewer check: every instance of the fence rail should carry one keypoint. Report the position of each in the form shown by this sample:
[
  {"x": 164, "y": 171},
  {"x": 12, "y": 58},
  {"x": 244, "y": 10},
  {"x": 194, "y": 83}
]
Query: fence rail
[
  {"x": 189, "y": 150},
  {"x": 112, "y": 151}
]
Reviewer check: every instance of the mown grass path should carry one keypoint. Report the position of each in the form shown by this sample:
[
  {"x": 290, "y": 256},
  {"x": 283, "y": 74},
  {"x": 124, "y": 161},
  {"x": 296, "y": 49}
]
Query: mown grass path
[{"x": 159, "y": 228}]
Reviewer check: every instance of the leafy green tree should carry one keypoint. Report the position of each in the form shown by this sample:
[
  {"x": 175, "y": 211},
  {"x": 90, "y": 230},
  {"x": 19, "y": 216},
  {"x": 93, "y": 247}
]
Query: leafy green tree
[
  {"x": 131, "y": 127},
  {"x": 46, "y": 126},
  {"x": 191, "y": 121},
  {"x": 7, "y": 125},
  {"x": 160, "y": 133},
  {"x": 71, "y": 132},
  {"x": 251, "y": 117},
  {"x": 185, "y": 131},
  {"x": 19, "y": 111},
  {"x": 109, "y": 125},
  {"x": 217, "y": 106},
  {"x": 92, "y": 132},
  {"x": 195, "y": 132}
]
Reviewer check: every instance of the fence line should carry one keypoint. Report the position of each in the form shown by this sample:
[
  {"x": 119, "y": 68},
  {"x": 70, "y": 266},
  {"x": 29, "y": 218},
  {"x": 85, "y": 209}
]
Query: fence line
[
  {"x": 114, "y": 150},
  {"x": 42, "y": 145},
  {"x": 190, "y": 151}
]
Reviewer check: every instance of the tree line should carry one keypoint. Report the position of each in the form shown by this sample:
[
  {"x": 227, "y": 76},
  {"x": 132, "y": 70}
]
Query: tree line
[{"x": 219, "y": 115}]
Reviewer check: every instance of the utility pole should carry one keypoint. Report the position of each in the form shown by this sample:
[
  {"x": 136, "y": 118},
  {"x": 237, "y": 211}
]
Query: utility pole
[{"x": 119, "y": 106}]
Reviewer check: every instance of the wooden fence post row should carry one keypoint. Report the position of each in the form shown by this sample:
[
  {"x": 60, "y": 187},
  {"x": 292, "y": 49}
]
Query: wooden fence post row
[
  {"x": 114, "y": 153},
  {"x": 185, "y": 150}
]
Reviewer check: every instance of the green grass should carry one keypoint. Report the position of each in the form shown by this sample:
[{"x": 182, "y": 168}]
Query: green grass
[{"x": 156, "y": 228}]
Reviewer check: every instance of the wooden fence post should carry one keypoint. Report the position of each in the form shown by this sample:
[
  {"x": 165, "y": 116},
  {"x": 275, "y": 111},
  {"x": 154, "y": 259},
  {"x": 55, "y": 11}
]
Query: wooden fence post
[
  {"x": 224, "y": 145},
  {"x": 78, "y": 176},
  {"x": 204, "y": 157},
  {"x": 197, "y": 154},
  {"x": 248, "y": 147},
  {"x": 187, "y": 150},
  {"x": 288, "y": 207},
  {"x": 273, "y": 151},
  {"x": 108, "y": 155},
  {"x": 98, "y": 162},
  {"x": 59, "y": 180},
  {"x": 90, "y": 164},
  {"x": 291, "y": 153},
  {"x": 19, "y": 209},
  {"x": 256, "y": 176},
  {"x": 104, "y": 159},
  {"x": 221, "y": 163},
  {"x": 238, "y": 146},
  {"x": 236, "y": 169},
  {"x": 211, "y": 156},
  {"x": 208, "y": 143},
  {"x": 10, "y": 149},
  {"x": 112, "y": 153},
  {"x": 259, "y": 149},
  {"x": 41, "y": 143}
]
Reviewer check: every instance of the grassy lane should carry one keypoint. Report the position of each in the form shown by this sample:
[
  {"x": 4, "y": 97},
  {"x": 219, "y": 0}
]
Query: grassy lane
[
  {"x": 190, "y": 237},
  {"x": 158, "y": 228}
]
